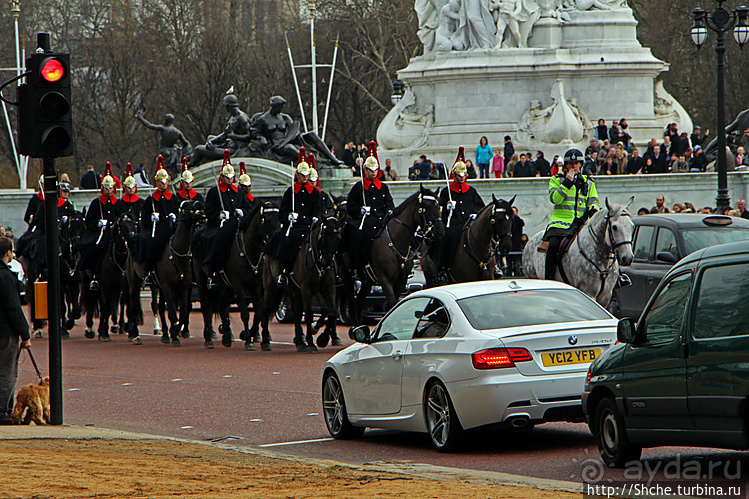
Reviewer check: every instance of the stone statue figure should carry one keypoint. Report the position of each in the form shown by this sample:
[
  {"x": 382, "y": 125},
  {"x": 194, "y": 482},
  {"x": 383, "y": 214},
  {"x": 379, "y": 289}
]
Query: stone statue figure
[
  {"x": 428, "y": 13},
  {"x": 598, "y": 4},
  {"x": 279, "y": 137},
  {"x": 737, "y": 128},
  {"x": 449, "y": 20},
  {"x": 405, "y": 126},
  {"x": 561, "y": 123},
  {"x": 236, "y": 135},
  {"x": 475, "y": 26},
  {"x": 172, "y": 143},
  {"x": 515, "y": 16}
]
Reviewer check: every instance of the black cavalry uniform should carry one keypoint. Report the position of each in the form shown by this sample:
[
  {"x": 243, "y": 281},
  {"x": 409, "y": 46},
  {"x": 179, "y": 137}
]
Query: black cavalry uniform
[
  {"x": 35, "y": 202},
  {"x": 467, "y": 202},
  {"x": 100, "y": 219},
  {"x": 376, "y": 195},
  {"x": 150, "y": 249},
  {"x": 308, "y": 205},
  {"x": 32, "y": 243},
  {"x": 133, "y": 204},
  {"x": 217, "y": 238},
  {"x": 189, "y": 195}
]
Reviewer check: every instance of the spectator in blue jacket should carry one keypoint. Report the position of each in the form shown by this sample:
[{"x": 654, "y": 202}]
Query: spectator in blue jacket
[{"x": 484, "y": 155}]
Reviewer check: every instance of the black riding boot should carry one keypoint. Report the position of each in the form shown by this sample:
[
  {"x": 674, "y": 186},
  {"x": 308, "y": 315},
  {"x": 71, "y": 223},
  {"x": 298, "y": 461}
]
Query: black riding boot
[{"x": 551, "y": 257}]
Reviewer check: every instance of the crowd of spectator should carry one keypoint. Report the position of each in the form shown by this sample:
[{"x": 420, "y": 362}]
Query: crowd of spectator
[
  {"x": 610, "y": 152},
  {"x": 687, "y": 207}
]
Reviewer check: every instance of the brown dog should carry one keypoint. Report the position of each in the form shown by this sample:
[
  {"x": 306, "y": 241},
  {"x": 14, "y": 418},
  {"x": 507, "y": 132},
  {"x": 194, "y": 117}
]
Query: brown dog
[{"x": 34, "y": 401}]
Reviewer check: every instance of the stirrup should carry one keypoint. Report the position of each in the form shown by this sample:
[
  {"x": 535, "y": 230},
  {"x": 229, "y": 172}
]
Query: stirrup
[
  {"x": 148, "y": 280},
  {"x": 209, "y": 283},
  {"x": 94, "y": 285}
]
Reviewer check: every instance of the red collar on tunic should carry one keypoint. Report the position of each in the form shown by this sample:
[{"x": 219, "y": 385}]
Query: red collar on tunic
[
  {"x": 130, "y": 198},
  {"x": 250, "y": 197},
  {"x": 366, "y": 183},
  {"x": 460, "y": 188},
  {"x": 223, "y": 187},
  {"x": 40, "y": 195},
  {"x": 104, "y": 199},
  {"x": 157, "y": 195},
  {"x": 307, "y": 187},
  {"x": 60, "y": 202},
  {"x": 184, "y": 193}
]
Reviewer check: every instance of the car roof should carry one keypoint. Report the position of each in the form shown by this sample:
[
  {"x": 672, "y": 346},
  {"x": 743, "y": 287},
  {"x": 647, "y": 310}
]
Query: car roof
[
  {"x": 477, "y": 288},
  {"x": 726, "y": 249},
  {"x": 688, "y": 220}
]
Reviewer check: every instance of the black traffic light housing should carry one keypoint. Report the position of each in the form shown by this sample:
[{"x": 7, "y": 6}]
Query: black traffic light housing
[{"x": 45, "y": 122}]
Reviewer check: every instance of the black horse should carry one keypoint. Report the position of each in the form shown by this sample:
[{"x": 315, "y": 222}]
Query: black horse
[
  {"x": 313, "y": 274},
  {"x": 391, "y": 255},
  {"x": 481, "y": 240}
]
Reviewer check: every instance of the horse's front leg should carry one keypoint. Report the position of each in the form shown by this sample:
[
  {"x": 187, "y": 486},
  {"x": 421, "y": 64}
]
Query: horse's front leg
[
  {"x": 244, "y": 314},
  {"x": 330, "y": 314},
  {"x": 258, "y": 310},
  {"x": 309, "y": 317},
  {"x": 297, "y": 312},
  {"x": 155, "y": 294},
  {"x": 227, "y": 338},
  {"x": 105, "y": 310}
]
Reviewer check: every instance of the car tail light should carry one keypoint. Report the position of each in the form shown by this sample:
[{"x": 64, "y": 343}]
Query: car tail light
[
  {"x": 587, "y": 378},
  {"x": 497, "y": 358}
]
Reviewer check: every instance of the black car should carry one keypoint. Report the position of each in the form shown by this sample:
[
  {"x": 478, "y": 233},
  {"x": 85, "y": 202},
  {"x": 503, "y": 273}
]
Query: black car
[{"x": 661, "y": 240}]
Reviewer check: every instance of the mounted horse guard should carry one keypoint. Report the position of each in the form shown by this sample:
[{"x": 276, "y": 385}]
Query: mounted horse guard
[
  {"x": 391, "y": 254},
  {"x": 481, "y": 239},
  {"x": 226, "y": 208},
  {"x": 185, "y": 191},
  {"x": 300, "y": 209},
  {"x": 158, "y": 217},
  {"x": 586, "y": 245},
  {"x": 33, "y": 256}
]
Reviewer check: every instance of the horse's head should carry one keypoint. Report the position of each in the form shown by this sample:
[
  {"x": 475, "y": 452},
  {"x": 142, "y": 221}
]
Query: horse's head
[
  {"x": 328, "y": 240},
  {"x": 427, "y": 214},
  {"x": 501, "y": 217},
  {"x": 124, "y": 229},
  {"x": 619, "y": 231},
  {"x": 339, "y": 209},
  {"x": 191, "y": 212},
  {"x": 268, "y": 221}
]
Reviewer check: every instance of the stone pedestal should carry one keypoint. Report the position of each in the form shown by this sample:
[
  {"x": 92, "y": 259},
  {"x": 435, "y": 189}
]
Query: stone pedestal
[{"x": 547, "y": 97}]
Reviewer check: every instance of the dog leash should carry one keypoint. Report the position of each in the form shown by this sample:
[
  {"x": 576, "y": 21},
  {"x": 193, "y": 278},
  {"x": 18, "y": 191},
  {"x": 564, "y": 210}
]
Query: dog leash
[{"x": 33, "y": 361}]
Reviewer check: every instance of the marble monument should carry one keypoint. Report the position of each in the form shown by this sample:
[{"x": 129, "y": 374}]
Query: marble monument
[{"x": 541, "y": 71}]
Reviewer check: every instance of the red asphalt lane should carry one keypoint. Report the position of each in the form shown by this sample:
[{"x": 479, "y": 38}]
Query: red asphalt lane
[{"x": 274, "y": 397}]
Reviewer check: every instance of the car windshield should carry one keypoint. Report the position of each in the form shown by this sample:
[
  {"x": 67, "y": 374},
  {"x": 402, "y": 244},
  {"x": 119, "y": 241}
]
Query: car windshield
[
  {"x": 696, "y": 239},
  {"x": 526, "y": 308}
]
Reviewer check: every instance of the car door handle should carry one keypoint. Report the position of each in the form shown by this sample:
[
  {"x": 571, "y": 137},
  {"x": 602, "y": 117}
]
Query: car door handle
[
  {"x": 397, "y": 355},
  {"x": 650, "y": 280}
]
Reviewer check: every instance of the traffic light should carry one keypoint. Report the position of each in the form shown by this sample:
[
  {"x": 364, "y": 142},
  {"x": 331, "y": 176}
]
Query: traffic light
[{"x": 45, "y": 123}]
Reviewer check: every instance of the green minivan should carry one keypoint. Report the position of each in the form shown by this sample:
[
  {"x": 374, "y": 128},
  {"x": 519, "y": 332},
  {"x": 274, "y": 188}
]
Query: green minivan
[{"x": 680, "y": 375}]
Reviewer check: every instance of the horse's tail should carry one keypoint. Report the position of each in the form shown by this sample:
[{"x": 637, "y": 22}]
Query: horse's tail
[{"x": 89, "y": 301}]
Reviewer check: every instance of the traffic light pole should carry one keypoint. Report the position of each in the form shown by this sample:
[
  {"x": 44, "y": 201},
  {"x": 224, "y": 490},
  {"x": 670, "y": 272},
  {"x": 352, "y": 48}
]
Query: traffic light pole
[{"x": 53, "y": 290}]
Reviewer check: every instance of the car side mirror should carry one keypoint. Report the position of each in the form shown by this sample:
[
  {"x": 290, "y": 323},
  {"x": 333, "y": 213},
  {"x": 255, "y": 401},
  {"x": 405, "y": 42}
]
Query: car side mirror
[
  {"x": 626, "y": 332},
  {"x": 666, "y": 256},
  {"x": 360, "y": 334}
]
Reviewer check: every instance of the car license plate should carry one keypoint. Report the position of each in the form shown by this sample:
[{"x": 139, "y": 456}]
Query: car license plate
[{"x": 569, "y": 357}]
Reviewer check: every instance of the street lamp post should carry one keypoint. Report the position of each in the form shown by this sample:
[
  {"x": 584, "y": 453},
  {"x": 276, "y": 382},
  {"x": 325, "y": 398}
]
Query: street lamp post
[{"x": 721, "y": 21}]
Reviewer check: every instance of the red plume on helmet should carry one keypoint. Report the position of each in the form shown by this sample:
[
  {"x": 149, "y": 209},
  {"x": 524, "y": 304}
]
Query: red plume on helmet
[
  {"x": 302, "y": 156},
  {"x": 129, "y": 170},
  {"x": 160, "y": 165},
  {"x": 108, "y": 173},
  {"x": 242, "y": 168},
  {"x": 108, "y": 169},
  {"x": 461, "y": 154},
  {"x": 372, "y": 150},
  {"x": 184, "y": 165},
  {"x": 311, "y": 161},
  {"x": 227, "y": 158}
]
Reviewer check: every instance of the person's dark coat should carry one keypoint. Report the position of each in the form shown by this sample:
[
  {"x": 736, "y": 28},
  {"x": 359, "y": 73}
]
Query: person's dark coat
[
  {"x": 31, "y": 208},
  {"x": 358, "y": 236},
  {"x": 508, "y": 151},
  {"x": 91, "y": 180},
  {"x": 542, "y": 167},
  {"x": 467, "y": 202},
  {"x": 96, "y": 239},
  {"x": 217, "y": 237},
  {"x": 602, "y": 133},
  {"x": 660, "y": 163},
  {"x": 306, "y": 201},
  {"x": 523, "y": 170},
  {"x": 12, "y": 319},
  {"x": 634, "y": 165}
]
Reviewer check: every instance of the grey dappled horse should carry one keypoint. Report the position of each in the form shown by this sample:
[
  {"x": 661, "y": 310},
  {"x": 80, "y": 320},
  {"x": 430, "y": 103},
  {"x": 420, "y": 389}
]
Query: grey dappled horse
[{"x": 592, "y": 262}]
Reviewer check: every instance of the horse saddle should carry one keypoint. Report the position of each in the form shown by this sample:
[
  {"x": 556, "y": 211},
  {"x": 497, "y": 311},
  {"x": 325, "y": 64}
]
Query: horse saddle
[{"x": 563, "y": 247}]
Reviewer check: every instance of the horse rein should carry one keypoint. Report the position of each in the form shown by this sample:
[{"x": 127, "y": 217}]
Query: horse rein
[
  {"x": 604, "y": 273},
  {"x": 484, "y": 264},
  {"x": 316, "y": 254}
]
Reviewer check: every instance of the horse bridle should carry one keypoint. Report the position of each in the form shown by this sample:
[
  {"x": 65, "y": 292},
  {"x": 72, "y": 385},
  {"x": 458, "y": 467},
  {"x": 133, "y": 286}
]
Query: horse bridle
[
  {"x": 483, "y": 264},
  {"x": 604, "y": 273},
  {"x": 320, "y": 268},
  {"x": 242, "y": 247},
  {"x": 118, "y": 232}
]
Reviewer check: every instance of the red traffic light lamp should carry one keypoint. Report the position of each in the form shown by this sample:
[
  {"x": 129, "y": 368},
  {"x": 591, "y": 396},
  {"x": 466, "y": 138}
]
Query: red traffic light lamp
[{"x": 45, "y": 122}]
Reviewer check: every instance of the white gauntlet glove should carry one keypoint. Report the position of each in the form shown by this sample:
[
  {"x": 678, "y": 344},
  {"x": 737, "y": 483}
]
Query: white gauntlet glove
[
  {"x": 102, "y": 223},
  {"x": 293, "y": 217},
  {"x": 223, "y": 215},
  {"x": 154, "y": 217},
  {"x": 239, "y": 212},
  {"x": 64, "y": 219},
  {"x": 172, "y": 217},
  {"x": 451, "y": 205},
  {"x": 365, "y": 210}
]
